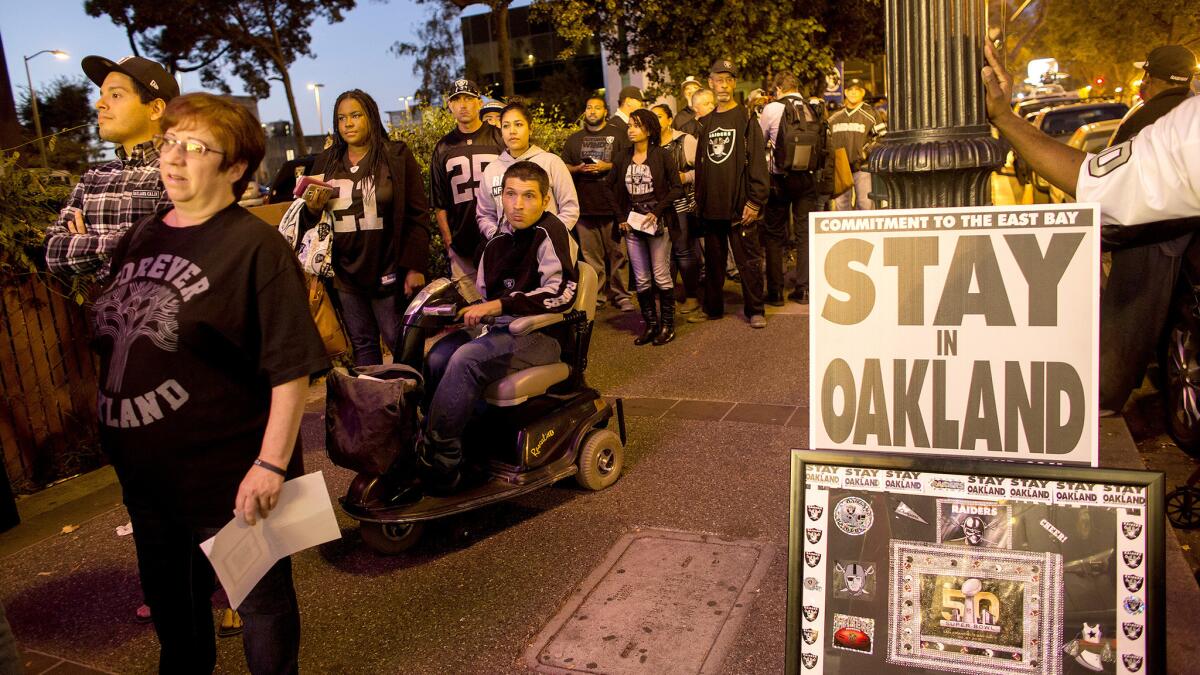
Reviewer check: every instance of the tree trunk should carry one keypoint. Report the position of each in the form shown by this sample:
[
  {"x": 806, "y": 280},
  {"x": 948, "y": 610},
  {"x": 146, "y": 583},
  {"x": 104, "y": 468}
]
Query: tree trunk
[
  {"x": 500, "y": 8},
  {"x": 297, "y": 131},
  {"x": 10, "y": 131}
]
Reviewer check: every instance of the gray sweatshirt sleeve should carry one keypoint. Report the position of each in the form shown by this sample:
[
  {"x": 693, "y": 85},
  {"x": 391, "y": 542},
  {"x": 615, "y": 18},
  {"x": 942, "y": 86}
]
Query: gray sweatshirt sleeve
[
  {"x": 563, "y": 188},
  {"x": 486, "y": 212}
]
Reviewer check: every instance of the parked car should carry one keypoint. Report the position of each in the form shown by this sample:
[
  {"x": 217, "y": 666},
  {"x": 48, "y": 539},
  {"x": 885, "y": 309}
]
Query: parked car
[
  {"x": 1179, "y": 358},
  {"x": 1062, "y": 121},
  {"x": 1089, "y": 138}
]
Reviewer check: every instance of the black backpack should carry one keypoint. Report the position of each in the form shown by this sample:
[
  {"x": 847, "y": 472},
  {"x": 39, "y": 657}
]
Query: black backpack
[{"x": 800, "y": 142}]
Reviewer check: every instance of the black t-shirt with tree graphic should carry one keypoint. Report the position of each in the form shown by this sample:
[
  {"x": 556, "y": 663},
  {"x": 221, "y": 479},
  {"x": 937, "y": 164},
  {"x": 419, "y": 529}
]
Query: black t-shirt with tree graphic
[{"x": 193, "y": 329}]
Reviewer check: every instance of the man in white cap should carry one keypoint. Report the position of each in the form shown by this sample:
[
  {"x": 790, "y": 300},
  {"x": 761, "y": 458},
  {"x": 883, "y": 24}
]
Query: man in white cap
[
  {"x": 110, "y": 198},
  {"x": 685, "y": 119}
]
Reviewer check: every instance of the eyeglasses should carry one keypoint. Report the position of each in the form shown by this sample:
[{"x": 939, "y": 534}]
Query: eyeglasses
[{"x": 190, "y": 146}]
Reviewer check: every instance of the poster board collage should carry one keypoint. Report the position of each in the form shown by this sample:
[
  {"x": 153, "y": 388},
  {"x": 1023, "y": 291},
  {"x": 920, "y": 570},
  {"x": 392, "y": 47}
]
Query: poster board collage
[
  {"x": 904, "y": 565},
  {"x": 955, "y": 520}
]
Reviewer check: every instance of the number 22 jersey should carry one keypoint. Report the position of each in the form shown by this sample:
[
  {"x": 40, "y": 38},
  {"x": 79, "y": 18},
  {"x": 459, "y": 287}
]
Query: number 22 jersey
[{"x": 455, "y": 170}]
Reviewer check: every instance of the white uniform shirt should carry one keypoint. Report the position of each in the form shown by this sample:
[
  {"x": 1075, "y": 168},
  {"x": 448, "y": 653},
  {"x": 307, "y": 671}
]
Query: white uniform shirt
[{"x": 1153, "y": 176}]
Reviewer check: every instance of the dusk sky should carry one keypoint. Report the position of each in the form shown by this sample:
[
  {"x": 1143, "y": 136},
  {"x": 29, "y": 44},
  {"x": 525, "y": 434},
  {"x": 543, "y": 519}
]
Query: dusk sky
[{"x": 353, "y": 53}]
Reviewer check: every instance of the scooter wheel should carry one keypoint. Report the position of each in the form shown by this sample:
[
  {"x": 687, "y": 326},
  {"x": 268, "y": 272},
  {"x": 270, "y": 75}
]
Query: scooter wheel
[
  {"x": 391, "y": 538},
  {"x": 601, "y": 457}
]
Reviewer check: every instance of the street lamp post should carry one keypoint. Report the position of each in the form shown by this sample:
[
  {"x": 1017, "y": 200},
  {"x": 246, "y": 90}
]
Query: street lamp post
[
  {"x": 407, "y": 110},
  {"x": 939, "y": 151},
  {"x": 37, "y": 120},
  {"x": 315, "y": 88}
]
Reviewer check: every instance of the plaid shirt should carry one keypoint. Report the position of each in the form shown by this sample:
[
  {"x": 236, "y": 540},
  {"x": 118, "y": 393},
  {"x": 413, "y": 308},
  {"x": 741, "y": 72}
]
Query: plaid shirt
[{"x": 112, "y": 198}]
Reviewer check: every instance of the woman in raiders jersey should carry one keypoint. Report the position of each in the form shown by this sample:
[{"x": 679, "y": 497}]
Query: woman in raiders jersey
[
  {"x": 646, "y": 184},
  {"x": 380, "y": 222}
]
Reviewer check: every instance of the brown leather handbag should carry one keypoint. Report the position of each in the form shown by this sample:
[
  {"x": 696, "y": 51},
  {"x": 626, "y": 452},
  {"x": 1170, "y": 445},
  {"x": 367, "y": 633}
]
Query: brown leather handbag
[{"x": 333, "y": 335}]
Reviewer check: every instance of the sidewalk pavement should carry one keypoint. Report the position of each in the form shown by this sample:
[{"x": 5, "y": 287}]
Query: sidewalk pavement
[{"x": 708, "y": 452}]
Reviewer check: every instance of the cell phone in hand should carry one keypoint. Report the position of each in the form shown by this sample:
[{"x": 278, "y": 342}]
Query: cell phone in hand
[
  {"x": 303, "y": 184},
  {"x": 315, "y": 192}
]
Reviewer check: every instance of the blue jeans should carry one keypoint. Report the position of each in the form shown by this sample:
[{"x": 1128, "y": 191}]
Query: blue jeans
[
  {"x": 650, "y": 259},
  {"x": 368, "y": 319},
  {"x": 685, "y": 253},
  {"x": 459, "y": 368},
  {"x": 178, "y": 581}
]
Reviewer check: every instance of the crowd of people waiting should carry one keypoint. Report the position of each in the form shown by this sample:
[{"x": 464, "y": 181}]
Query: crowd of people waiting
[{"x": 205, "y": 339}]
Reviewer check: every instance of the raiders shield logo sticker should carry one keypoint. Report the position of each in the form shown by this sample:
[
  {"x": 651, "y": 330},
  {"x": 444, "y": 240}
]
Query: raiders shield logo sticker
[
  {"x": 811, "y": 612},
  {"x": 1133, "y": 582},
  {"x": 1132, "y": 630},
  {"x": 813, "y": 535},
  {"x": 811, "y": 584},
  {"x": 1132, "y": 558},
  {"x": 720, "y": 144},
  {"x": 810, "y": 635},
  {"x": 810, "y": 660},
  {"x": 1131, "y": 530},
  {"x": 812, "y": 558},
  {"x": 1133, "y": 662},
  {"x": 814, "y": 512},
  {"x": 1134, "y": 605}
]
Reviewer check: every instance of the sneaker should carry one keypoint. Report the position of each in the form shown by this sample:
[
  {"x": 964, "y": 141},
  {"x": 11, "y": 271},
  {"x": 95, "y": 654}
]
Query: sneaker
[
  {"x": 799, "y": 297},
  {"x": 626, "y": 305},
  {"x": 689, "y": 305},
  {"x": 758, "y": 321},
  {"x": 775, "y": 299},
  {"x": 698, "y": 317}
]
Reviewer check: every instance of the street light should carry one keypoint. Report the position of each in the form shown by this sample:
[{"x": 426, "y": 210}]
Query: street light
[
  {"x": 37, "y": 120},
  {"x": 315, "y": 88},
  {"x": 407, "y": 111}
]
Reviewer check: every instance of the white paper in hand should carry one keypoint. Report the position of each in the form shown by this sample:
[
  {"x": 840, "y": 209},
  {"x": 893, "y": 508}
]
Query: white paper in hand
[
  {"x": 638, "y": 222},
  {"x": 241, "y": 554}
]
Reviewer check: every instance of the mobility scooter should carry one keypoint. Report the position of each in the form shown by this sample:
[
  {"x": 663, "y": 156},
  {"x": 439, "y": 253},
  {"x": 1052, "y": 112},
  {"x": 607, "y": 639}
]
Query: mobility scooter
[{"x": 540, "y": 425}]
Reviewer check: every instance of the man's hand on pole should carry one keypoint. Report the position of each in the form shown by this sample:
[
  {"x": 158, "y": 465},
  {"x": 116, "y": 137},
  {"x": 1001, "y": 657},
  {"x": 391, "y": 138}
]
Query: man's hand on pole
[{"x": 997, "y": 83}]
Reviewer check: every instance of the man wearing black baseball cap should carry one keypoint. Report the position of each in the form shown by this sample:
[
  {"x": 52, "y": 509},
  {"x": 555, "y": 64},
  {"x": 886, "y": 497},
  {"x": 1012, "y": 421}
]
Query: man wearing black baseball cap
[
  {"x": 732, "y": 187},
  {"x": 459, "y": 159},
  {"x": 1137, "y": 298},
  {"x": 112, "y": 197}
]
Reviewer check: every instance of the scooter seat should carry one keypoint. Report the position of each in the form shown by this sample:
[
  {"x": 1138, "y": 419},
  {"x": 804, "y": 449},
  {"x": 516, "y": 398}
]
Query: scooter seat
[{"x": 518, "y": 387}]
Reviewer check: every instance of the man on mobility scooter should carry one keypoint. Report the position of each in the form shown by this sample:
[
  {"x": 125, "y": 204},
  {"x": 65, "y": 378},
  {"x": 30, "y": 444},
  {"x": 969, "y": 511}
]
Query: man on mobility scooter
[
  {"x": 528, "y": 268},
  {"x": 541, "y": 422}
]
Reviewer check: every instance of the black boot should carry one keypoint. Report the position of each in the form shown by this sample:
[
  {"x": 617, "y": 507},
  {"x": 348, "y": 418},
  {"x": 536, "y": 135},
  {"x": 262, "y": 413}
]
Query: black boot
[
  {"x": 649, "y": 316},
  {"x": 666, "y": 324}
]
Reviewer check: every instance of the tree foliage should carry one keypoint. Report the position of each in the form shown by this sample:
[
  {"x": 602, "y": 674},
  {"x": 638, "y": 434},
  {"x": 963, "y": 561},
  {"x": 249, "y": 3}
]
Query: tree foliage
[
  {"x": 669, "y": 40},
  {"x": 1103, "y": 38},
  {"x": 438, "y": 57},
  {"x": 65, "y": 111},
  {"x": 257, "y": 40},
  {"x": 30, "y": 206}
]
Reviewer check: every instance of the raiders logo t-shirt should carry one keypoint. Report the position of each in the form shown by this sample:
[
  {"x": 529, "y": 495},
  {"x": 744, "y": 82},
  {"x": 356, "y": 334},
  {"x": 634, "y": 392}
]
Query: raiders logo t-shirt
[
  {"x": 722, "y": 150},
  {"x": 584, "y": 146},
  {"x": 195, "y": 327}
]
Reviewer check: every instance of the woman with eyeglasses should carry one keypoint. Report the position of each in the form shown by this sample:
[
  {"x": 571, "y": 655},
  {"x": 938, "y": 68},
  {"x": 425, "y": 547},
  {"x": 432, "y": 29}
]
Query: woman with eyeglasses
[
  {"x": 380, "y": 216},
  {"x": 206, "y": 347},
  {"x": 646, "y": 184}
]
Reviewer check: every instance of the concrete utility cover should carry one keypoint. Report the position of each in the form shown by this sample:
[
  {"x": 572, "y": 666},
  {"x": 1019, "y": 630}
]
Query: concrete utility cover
[{"x": 661, "y": 602}]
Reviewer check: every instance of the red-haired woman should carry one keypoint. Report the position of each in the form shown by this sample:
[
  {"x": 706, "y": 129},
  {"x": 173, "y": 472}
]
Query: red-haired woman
[{"x": 206, "y": 347}]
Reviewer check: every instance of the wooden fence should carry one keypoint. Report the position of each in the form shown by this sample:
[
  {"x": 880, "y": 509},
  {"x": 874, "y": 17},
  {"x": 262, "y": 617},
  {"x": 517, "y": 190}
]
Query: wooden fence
[{"x": 47, "y": 385}]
